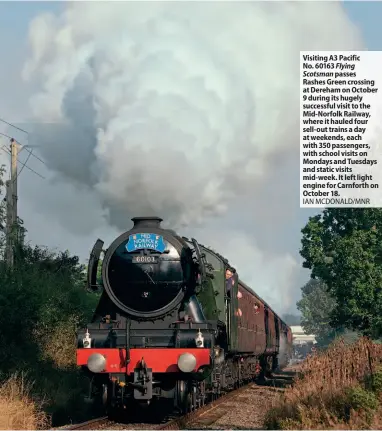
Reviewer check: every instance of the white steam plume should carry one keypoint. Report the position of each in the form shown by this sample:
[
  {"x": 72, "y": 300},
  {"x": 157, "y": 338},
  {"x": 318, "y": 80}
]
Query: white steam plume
[
  {"x": 184, "y": 110},
  {"x": 174, "y": 108}
]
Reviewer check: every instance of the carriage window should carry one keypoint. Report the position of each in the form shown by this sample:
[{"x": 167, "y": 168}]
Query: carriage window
[{"x": 257, "y": 308}]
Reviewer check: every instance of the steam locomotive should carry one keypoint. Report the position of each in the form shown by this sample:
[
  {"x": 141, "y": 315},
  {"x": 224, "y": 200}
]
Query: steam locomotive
[{"x": 174, "y": 322}]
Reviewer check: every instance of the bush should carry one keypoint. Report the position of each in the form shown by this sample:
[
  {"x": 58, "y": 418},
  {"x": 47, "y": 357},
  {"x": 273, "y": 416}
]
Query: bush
[
  {"x": 42, "y": 302},
  {"x": 373, "y": 382},
  {"x": 358, "y": 398}
]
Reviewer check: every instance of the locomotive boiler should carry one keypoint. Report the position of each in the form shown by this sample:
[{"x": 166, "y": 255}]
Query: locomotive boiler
[{"x": 174, "y": 322}]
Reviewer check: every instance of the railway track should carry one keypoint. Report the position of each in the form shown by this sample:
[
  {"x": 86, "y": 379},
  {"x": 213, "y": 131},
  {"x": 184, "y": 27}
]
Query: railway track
[
  {"x": 89, "y": 425},
  {"x": 205, "y": 416},
  {"x": 207, "y": 410}
]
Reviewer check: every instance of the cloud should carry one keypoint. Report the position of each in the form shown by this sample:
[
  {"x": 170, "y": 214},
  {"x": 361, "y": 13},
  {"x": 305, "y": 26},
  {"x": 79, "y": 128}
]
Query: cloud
[{"x": 187, "y": 110}]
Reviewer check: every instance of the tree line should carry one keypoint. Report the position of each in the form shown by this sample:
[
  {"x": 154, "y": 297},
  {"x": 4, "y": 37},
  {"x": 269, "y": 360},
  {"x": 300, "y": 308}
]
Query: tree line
[
  {"x": 343, "y": 250},
  {"x": 43, "y": 299}
]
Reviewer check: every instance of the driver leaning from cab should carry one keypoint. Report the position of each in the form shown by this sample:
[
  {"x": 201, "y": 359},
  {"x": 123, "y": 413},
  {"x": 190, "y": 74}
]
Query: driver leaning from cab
[{"x": 230, "y": 282}]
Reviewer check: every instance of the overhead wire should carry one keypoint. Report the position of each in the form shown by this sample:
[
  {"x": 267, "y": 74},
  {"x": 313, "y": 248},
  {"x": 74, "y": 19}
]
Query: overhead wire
[
  {"x": 3, "y": 134},
  {"x": 24, "y": 164},
  {"x": 12, "y": 125},
  {"x": 34, "y": 155},
  {"x": 21, "y": 130}
]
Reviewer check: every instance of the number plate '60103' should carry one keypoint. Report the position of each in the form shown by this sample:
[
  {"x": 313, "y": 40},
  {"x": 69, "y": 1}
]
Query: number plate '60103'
[{"x": 145, "y": 259}]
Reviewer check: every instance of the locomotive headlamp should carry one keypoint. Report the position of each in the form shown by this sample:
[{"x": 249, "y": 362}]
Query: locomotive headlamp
[
  {"x": 186, "y": 362},
  {"x": 199, "y": 340},
  {"x": 96, "y": 363},
  {"x": 87, "y": 341}
]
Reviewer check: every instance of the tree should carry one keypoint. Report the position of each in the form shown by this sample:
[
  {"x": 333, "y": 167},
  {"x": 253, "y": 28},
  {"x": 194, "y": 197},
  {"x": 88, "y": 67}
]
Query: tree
[
  {"x": 43, "y": 294},
  {"x": 42, "y": 302},
  {"x": 316, "y": 306},
  {"x": 342, "y": 247},
  {"x": 291, "y": 319}
]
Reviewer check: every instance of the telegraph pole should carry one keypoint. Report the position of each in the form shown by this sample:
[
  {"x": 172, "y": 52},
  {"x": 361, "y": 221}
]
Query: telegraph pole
[
  {"x": 14, "y": 153},
  {"x": 13, "y": 233},
  {"x": 12, "y": 225},
  {"x": 8, "y": 234}
]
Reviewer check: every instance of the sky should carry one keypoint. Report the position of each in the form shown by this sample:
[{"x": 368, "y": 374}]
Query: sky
[{"x": 187, "y": 111}]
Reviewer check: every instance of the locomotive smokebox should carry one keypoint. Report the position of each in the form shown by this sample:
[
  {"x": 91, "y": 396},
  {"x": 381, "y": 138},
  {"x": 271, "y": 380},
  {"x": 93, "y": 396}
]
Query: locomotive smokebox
[
  {"x": 148, "y": 270},
  {"x": 147, "y": 222}
]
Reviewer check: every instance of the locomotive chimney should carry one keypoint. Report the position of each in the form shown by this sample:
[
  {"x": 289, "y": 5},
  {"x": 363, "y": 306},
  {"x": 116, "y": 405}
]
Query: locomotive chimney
[{"x": 146, "y": 222}]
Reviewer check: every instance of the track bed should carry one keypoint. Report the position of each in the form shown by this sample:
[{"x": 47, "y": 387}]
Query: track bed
[{"x": 243, "y": 408}]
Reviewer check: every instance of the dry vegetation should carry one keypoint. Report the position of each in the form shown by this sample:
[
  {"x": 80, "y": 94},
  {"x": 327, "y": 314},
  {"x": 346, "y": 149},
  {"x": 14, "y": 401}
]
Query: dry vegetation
[
  {"x": 26, "y": 403},
  {"x": 59, "y": 344},
  {"x": 338, "y": 389},
  {"x": 18, "y": 410}
]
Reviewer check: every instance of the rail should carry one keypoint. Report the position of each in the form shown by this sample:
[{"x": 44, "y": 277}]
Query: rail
[{"x": 88, "y": 425}]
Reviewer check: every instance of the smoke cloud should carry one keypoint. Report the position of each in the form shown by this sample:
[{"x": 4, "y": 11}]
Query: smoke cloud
[
  {"x": 173, "y": 108},
  {"x": 187, "y": 110}
]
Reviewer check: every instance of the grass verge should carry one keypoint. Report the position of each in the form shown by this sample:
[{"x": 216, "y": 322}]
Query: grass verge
[{"x": 338, "y": 389}]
